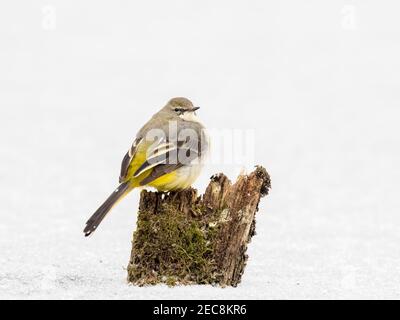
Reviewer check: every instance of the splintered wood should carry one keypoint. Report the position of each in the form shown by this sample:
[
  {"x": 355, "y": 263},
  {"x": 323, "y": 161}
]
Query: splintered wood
[{"x": 182, "y": 238}]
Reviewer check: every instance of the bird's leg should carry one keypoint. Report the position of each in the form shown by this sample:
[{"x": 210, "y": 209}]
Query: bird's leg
[
  {"x": 162, "y": 194},
  {"x": 173, "y": 195}
]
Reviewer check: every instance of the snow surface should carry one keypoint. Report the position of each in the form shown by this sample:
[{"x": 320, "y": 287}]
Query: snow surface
[{"x": 321, "y": 93}]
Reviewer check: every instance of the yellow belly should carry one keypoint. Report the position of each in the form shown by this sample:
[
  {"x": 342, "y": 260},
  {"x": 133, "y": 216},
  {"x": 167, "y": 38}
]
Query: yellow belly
[{"x": 180, "y": 179}]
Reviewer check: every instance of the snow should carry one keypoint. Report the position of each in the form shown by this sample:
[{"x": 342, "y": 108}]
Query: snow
[{"x": 323, "y": 99}]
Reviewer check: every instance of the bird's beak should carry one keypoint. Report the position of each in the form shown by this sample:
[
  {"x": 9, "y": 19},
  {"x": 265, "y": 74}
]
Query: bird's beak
[{"x": 195, "y": 109}]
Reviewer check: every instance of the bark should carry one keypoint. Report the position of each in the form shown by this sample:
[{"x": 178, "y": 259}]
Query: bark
[{"x": 183, "y": 238}]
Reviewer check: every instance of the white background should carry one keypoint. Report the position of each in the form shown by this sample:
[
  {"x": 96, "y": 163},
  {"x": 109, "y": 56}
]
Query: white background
[{"x": 318, "y": 81}]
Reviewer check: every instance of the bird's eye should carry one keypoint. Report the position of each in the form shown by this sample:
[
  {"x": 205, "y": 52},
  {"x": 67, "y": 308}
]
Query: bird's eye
[{"x": 179, "y": 110}]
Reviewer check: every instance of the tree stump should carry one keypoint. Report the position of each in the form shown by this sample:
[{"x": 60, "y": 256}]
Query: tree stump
[{"x": 182, "y": 238}]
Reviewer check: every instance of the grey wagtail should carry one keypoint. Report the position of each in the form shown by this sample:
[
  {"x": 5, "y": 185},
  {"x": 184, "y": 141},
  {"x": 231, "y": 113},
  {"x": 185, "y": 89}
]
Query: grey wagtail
[{"x": 167, "y": 154}]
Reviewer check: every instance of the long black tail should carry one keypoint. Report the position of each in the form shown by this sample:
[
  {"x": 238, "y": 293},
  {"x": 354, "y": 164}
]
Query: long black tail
[{"x": 101, "y": 212}]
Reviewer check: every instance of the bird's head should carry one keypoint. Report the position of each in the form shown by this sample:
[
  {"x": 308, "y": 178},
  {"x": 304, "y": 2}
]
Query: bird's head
[{"x": 181, "y": 106}]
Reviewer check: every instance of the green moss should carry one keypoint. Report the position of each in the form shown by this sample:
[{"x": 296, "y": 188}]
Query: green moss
[
  {"x": 171, "y": 247},
  {"x": 182, "y": 238}
]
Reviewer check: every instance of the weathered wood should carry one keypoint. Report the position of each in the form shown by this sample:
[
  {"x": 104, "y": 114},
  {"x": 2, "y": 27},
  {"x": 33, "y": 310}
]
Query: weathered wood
[{"x": 182, "y": 238}]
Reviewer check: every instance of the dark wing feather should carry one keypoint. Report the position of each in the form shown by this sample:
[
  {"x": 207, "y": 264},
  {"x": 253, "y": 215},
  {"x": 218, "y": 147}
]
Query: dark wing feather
[
  {"x": 159, "y": 171},
  {"x": 124, "y": 167},
  {"x": 166, "y": 153},
  {"x": 127, "y": 160},
  {"x": 164, "y": 157}
]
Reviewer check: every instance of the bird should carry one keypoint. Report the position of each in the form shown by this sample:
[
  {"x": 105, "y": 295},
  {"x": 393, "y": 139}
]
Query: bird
[{"x": 167, "y": 154}]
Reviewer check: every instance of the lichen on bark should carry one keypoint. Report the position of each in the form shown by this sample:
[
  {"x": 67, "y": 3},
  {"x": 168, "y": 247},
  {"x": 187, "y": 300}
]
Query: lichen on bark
[{"x": 183, "y": 238}]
